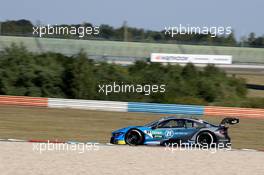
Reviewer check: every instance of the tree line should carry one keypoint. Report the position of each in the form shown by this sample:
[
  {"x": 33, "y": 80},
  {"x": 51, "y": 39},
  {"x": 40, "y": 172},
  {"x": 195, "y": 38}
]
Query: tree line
[
  {"x": 77, "y": 77},
  {"x": 24, "y": 27}
]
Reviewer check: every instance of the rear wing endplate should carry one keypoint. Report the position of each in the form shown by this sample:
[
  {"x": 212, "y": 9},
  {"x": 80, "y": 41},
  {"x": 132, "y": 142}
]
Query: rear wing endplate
[{"x": 230, "y": 121}]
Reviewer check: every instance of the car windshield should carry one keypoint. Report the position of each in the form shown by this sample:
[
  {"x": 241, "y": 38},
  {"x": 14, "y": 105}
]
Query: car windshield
[{"x": 151, "y": 124}]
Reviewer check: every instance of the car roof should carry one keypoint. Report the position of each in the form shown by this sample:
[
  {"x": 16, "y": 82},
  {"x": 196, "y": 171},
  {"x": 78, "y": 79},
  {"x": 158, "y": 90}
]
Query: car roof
[{"x": 181, "y": 117}]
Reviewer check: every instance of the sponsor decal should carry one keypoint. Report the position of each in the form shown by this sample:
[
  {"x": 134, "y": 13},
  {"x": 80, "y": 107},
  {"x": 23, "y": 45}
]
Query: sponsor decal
[
  {"x": 169, "y": 133},
  {"x": 157, "y": 132},
  {"x": 191, "y": 58},
  {"x": 148, "y": 133}
]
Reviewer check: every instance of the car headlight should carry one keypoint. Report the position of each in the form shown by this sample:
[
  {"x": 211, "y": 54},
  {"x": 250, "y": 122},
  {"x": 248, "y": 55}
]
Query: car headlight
[{"x": 117, "y": 134}]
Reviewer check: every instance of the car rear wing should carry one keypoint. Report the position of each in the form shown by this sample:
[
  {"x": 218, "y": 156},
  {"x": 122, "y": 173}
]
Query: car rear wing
[{"x": 229, "y": 121}]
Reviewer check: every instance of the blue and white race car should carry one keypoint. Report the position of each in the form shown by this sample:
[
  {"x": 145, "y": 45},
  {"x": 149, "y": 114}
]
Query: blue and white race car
[{"x": 174, "y": 130}]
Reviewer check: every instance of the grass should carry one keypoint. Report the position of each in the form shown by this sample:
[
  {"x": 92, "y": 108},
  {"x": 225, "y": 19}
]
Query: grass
[
  {"x": 251, "y": 78},
  {"x": 254, "y": 79},
  {"x": 255, "y": 93},
  {"x": 83, "y": 125}
]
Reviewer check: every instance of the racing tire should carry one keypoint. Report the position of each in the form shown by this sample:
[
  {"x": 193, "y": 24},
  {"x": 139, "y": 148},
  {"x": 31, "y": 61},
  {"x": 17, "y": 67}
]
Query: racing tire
[
  {"x": 134, "y": 137},
  {"x": 205, "y": 139}
]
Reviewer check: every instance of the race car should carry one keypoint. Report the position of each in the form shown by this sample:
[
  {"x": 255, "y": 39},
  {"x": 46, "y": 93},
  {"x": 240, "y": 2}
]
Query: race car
[{"x": 174, "y": 130}]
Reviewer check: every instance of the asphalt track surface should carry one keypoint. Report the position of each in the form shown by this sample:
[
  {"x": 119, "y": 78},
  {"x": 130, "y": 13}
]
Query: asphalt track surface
[{"x": 24, "y": 158}]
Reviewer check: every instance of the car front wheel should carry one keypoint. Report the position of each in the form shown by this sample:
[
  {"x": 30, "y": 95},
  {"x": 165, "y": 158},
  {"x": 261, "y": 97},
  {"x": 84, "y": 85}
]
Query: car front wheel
[{"x": 134, "y": 137}]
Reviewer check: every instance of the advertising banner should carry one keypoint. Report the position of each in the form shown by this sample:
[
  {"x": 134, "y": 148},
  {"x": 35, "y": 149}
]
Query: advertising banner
[{"x": 191, "y": 58}]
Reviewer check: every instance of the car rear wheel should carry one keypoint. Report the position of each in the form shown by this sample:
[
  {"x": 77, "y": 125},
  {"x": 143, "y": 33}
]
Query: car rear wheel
[
  {"x": 134, "y": 137},
  {"x": 205, "y": 139}
]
